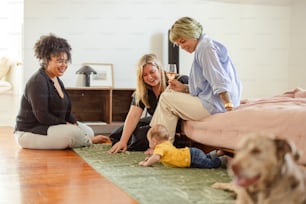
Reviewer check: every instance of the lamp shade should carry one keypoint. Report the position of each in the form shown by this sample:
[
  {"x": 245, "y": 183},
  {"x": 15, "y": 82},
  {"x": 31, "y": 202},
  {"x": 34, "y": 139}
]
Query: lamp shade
[{"x": 86, "y": 70}]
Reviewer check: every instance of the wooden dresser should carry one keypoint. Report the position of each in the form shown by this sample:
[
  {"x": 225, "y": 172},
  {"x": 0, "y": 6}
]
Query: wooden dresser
[{"x": 100, "y": 106}]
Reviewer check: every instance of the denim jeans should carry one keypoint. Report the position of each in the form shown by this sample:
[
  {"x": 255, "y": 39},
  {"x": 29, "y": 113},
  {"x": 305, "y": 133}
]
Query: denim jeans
[{"x": 201, "y": 160}]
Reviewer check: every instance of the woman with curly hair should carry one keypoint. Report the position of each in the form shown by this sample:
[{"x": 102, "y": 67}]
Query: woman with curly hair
[{"x": 45, "y": 120}]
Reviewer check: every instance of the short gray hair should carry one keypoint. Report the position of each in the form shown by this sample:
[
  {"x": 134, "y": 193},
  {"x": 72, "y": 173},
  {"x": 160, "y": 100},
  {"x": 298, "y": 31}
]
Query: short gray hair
[{"x": 185, "y": 28}]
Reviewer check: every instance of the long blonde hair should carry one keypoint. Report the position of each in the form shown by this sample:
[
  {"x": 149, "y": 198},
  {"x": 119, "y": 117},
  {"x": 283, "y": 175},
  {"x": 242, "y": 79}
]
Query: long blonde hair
[
  {"x": 185, "y": 28},
  {"x": 141, "y": 93}
]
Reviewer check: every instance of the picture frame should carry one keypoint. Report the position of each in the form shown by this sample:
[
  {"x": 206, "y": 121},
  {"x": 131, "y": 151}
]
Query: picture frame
[{"x": 104, "y": 76}]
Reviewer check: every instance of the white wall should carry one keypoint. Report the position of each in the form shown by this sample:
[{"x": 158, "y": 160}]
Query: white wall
[
  {"x": 257, "y": 37},
  {"x": 11, "y": 19},
  {"x": 119, "y": 32},
  {"x": 297, "y": 66}
]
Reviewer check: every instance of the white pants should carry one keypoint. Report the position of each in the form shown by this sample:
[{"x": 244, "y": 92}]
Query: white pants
[
  {"x": 58, "y": 137},
  {"x": 173, "y": 105}
]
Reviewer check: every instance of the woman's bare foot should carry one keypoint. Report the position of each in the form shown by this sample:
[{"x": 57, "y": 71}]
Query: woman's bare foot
[{"x": 99, "y": 139}]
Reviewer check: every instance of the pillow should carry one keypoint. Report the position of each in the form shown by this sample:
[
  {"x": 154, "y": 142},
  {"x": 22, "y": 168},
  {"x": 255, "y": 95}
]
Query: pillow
[{"x": 5, "y": 65}]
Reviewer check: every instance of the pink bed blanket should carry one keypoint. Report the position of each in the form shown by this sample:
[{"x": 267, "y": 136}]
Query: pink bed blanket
[{"x": 282, "y": 116}]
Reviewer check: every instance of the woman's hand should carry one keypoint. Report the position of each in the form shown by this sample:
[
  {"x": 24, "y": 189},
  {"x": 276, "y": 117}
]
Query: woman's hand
[
  {"x": 68, "y": 123},
  {"x": 176, "y": 85},
  {"x": 118, "y": 147},
  {"x": 130, "y": 124},
  {"x": 226, "y": 99},
  {"x": 228, "y": 108}
]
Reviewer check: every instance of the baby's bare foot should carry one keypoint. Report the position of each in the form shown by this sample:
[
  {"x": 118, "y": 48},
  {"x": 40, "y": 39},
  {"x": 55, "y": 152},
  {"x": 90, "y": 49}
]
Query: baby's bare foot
[{"x": 220, "y": 153}]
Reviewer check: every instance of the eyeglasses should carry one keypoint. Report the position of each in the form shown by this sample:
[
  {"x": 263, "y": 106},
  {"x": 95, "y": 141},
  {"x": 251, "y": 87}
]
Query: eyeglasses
[{"x": 62, "y": 61}]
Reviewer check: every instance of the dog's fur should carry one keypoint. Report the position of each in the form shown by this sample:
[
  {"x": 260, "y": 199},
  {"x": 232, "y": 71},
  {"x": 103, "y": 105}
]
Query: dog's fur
[{"x": 265, "y": 171}]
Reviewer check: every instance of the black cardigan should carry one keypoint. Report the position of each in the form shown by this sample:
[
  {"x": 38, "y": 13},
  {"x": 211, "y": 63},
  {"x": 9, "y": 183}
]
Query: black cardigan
[{"x": 41, "y": 106}]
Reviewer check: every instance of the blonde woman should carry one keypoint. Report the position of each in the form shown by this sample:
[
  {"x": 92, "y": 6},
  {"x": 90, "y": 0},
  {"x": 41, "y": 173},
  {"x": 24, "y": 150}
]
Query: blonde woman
[
  {"x": 151, "y": 82},
  {"x": 214, "y": 86}
]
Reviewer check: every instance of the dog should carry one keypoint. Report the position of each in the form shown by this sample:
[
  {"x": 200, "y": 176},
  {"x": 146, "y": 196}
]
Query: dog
[{"x": 265, "y": 171}]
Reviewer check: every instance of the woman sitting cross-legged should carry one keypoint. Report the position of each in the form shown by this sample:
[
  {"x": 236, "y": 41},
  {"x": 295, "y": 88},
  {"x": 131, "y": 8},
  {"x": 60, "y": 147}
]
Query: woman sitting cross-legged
[{"x": 45, "y": 120}]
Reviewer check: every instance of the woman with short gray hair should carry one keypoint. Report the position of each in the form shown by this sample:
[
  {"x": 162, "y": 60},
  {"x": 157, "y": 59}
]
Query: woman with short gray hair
[{"x": 214, "y": 86}]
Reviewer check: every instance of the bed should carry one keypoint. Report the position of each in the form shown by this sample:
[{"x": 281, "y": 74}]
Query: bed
[{"x": 282, "y": 116}]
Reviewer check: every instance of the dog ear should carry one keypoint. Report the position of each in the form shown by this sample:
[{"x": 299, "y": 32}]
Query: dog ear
[{"x": 283, "y": 147}]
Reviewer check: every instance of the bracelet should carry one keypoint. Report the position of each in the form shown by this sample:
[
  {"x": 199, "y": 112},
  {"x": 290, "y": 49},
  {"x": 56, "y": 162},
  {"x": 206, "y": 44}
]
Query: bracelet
[
  {"x": 228, "y": 105},
  {"x": 186, "y": 89}
]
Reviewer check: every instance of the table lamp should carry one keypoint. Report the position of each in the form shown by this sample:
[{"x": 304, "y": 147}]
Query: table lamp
[{"x": 86, "y": 70}]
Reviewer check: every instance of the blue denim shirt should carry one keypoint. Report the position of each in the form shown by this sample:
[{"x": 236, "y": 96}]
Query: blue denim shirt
[{"x": 212, "y": 73}]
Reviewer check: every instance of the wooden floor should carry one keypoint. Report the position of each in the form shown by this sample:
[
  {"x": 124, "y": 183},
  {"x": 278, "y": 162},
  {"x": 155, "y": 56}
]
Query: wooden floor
[{"x": 51, "y": 176}]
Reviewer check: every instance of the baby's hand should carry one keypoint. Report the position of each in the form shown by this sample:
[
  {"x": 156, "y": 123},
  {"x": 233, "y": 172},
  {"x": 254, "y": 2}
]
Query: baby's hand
[
  {"x": 142, "y": 163},
  {"x": 149, "y": 151},
  {"x": 149, "y": 161}
]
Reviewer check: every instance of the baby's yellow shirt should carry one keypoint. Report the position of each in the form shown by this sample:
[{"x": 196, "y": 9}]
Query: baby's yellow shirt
[{"x": 172, "y": 156}]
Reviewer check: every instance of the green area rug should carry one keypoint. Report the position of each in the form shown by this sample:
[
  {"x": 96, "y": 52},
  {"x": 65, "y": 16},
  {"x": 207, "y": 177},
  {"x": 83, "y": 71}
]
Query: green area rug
[{"x": 156, "y": 184}]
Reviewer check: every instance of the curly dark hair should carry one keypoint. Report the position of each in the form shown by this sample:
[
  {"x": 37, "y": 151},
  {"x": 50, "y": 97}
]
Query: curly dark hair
[{"x": 50, "y": 45}]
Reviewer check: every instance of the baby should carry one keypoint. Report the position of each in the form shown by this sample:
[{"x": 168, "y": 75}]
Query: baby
[{"x": 165, "y": 152}]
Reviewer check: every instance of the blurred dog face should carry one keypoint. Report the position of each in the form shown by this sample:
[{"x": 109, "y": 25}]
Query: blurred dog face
[
  {"x": 258, "y": 160},
  {"x": 264, "y": 170}
]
